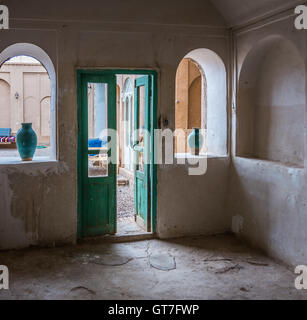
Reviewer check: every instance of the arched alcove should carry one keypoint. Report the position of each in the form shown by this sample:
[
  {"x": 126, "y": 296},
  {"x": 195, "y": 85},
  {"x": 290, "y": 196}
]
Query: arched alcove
[
  {"x": 212, "y": 86},
  {"x": 271, "y": 103},
  {"x": 31, "y": 50},
  {"x": 128, "y": 89}
]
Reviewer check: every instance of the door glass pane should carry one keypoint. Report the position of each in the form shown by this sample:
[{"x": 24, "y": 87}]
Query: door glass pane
[
  {"x": 97, "y": 129},
  {"x": 141, "y": 126}
]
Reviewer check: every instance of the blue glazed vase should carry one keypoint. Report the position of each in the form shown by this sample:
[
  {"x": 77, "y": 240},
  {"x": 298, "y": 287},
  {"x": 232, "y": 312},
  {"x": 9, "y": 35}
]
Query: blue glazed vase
[
  {"x": 26, "y": 140},
  {"x": 195, "y": 141}
]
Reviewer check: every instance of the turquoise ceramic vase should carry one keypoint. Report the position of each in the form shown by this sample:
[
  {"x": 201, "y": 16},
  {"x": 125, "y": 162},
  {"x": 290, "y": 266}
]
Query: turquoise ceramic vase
[
  {"x": 26, "y": 140},
  {"x": 195, "y": 141}
]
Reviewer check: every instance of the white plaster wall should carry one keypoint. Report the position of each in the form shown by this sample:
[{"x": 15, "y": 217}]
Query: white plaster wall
[
  {"x": 193, "y": 205},
  {"x": 38, "y": 201},
  {"x": 280, "y": 106},
  {"x": 267, "y": 200}
]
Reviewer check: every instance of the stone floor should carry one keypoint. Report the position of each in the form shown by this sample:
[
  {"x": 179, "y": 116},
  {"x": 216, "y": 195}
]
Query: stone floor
[
  {"x": 125, "y": 201},
  {"x": 216, "y": 267},
  {"x": 127, "y": 226}
]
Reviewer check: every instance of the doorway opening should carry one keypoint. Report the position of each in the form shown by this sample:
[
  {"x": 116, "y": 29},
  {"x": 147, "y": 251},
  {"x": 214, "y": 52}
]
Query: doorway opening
[
  {"x": 130, "y": 118},
  {"x": 117, "y": 175}
]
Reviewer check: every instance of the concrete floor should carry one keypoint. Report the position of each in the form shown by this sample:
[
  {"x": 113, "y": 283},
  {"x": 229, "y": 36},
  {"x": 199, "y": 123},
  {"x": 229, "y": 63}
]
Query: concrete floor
[
  {"x": 127, "y": 227},
  {"x": 216, "y": 267}
]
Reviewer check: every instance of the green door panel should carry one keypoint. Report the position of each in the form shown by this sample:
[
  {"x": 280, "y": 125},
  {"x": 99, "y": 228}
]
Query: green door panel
[
  {"x": 98, "y": 209},
  {"x": 97, "y": 198},
  {"x": 142, "y": 151}
]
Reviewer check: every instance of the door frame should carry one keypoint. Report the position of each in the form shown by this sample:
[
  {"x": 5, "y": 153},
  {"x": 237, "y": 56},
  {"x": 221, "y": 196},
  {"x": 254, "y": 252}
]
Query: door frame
[{"x": 153, "y": 124}]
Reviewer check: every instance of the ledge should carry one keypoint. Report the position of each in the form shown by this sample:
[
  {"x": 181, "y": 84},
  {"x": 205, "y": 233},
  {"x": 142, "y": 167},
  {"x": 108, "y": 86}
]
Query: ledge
[
  {"x": 269, "y": 162},
  {"x": 6, "y": 161},
  {"x": 200, "y": 156}
]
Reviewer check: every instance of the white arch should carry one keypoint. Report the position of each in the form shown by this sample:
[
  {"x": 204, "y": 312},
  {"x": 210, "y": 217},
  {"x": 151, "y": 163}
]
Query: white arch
[
  {"x": 128, "y": 90},
  {"x": 215, "y": 72},
  {"x": 28, "y": 49}
]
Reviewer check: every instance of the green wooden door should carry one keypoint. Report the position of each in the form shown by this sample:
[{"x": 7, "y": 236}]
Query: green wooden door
[
  {"x": 98, "y": 174},
  {"x": 142, "y": 151}
]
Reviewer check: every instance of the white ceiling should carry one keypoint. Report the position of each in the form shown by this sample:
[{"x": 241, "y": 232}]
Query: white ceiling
[{"x": 238, "y": 12}]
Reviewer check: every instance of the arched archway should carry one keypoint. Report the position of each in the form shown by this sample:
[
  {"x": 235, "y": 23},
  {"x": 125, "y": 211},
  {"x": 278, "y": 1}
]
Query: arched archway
[
  {"x": 212, "y": 117},
  {"x": 271, "y": 103},
  {"x": 31, "y": 50}
]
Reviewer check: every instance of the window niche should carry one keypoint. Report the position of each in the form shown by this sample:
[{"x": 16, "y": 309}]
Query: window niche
[
  {"x": 27, "y": 77},
  {"x": 200, "y": 102},
  {"x": 271, "y": 103}
]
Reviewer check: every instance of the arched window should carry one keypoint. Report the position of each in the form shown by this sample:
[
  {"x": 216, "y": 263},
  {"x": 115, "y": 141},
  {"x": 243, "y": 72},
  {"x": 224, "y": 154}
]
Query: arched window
[
  {"x": 201, "y": 101},
  {"x": 31, "y": 77}
]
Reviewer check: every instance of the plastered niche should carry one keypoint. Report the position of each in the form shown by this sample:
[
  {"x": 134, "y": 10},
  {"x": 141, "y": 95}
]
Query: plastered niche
[
  {"x": 269, "y": 193},
  {"x": 271, "y": 103}
]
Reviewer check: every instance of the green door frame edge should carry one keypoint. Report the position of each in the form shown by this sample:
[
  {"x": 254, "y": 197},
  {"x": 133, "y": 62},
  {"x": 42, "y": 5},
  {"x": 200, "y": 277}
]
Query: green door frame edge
[{"x": 153, "y": 125}]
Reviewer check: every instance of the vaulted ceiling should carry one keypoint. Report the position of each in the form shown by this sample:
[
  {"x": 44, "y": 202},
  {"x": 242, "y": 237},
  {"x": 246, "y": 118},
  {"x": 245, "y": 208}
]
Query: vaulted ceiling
[{"x": 238, "y": 12}]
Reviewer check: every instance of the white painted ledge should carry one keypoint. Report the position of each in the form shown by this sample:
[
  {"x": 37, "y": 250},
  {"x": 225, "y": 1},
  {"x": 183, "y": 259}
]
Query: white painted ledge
[
  {"x": 271, "y": 163},
  {"x": 200, "y": 156},
  {"x": 4, "y": 161}
]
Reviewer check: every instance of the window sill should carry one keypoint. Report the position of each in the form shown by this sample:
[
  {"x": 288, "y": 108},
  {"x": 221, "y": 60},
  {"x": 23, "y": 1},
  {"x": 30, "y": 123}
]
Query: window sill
[
  {"x": 200, "y": 156},
  {"x": 270, "y": 162},
  {"x": 4, "y": 161}
]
